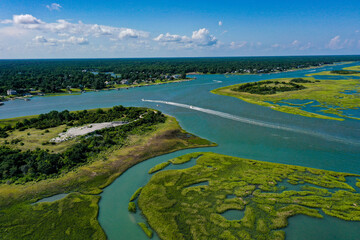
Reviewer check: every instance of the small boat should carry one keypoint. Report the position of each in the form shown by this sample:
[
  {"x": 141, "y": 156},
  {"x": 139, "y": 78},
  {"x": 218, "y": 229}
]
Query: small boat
[{"x": 1, "y": 103}]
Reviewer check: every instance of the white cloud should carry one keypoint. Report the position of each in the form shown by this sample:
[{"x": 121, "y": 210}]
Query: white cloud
[
  {"x": 203, "y": 37},
  {"x": 334, "y": 43},
  {"x": 54, "y": 6},
  {"x": 220, "y": 23},
  {"x": 295, "y": 43},
  {"x": 26, "y": 19},
  {"x": 276, "y": 45},
  {"x": 172, "y": 38},
  {"x": 199, "y": 38},
  {"x": 235, "y": 45},
  {"x": 53, "y": 41},
  {"x": 40, "y": 39},
  {"x": 65, "y": 28},
  {"x": 305, "y": 47},
  {"x": 6, "y": 21},
  {"x": 132, "y": 33}
]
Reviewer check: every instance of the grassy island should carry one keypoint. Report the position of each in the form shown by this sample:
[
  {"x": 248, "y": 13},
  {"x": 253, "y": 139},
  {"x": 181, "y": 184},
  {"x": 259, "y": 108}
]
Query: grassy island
[
  {"x": 330, "y": 96},
  {"x": 193, "y": 203},
  {"x": 34, "y": 167}
]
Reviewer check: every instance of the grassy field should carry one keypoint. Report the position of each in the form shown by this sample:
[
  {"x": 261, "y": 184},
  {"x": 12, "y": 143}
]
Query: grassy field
[
  {"x": 74, "y": 217},
  {"x": 87, "y": 180},
  {"x": 32, "y": 138},
  {"x": 329, "y": 93},
  {"x": 329, "y": 73},
  {"x": 190, "y": 203},
  {"x": 353, "y": 68},
  {"x": 13, "y": 121}
]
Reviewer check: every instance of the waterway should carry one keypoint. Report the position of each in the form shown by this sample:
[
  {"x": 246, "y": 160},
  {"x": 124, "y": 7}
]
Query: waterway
[{"x": 241, "y": 129}]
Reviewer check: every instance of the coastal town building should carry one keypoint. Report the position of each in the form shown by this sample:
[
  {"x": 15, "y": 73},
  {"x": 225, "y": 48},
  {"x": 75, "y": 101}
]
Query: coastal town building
[{"x": 11, "y": 92}]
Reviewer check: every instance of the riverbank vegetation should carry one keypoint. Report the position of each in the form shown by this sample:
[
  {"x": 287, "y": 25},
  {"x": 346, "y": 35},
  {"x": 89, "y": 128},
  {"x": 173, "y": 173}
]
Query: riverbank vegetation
[
  {"x": 22, "y": 166},
  {"x": 152, "y": 135},
  {"x": 331, "y": 96},
  {"x": 75, "y": 76},
  {"x": 178, "y": 207},
  {"x": 271, "y": 87},
  {"x": 346, "y": 72}
]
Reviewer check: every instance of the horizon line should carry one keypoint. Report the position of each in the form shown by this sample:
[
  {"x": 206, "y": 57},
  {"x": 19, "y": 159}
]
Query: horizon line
[{"x": 260, "y": 56}]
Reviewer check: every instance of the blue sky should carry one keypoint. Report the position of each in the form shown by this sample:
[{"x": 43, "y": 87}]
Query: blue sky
[{"x": 144, "y": 28}]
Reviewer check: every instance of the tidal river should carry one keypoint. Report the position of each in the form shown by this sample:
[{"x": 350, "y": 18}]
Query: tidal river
[{"x": 241, "y": 129}]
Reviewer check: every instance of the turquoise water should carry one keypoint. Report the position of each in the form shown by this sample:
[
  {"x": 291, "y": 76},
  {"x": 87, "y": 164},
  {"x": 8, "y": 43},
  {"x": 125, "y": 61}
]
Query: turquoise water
[
  {"x": 233, "y": 214},
  {"x": 334, "y": 77},
  {"x": 241, "y": 129},
  {"x": 53, "y": 198}
]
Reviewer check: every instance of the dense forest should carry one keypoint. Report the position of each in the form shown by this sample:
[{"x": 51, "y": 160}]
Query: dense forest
[
  {"x": 23, "y": 166},
  {"x": 50, "y": 76},
  {"x": 272, "y": 87}
]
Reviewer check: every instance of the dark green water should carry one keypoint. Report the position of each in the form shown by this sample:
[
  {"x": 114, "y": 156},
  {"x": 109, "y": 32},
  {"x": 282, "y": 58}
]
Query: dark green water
[{"x": 241, "y": 129}]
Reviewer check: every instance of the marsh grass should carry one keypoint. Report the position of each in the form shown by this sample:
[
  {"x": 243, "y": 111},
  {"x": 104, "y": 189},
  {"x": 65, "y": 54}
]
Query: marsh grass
[
  {"x": 176, "y": 208},
  {"x": 146, "y": 230},
  {"x": 74, "y": 217},
  {"x": 159, "y": 167},
  {"x": 329, "y": 93},
  {"x": 21, "y": 220}
]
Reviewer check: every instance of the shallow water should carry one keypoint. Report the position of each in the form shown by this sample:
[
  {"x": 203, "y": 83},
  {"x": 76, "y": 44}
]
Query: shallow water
[
  {"x": 233, "y": 214},
  {"x": 53, "y": 198},
  {"x": 285, "y": 138}
]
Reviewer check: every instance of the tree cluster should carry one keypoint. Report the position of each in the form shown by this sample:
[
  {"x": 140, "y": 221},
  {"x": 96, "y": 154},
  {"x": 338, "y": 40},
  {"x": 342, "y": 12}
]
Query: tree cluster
[
  {"x": 271, "y": 87},
  {"x": 344, "y": 72},
  {"x": 22, "y": 166}
]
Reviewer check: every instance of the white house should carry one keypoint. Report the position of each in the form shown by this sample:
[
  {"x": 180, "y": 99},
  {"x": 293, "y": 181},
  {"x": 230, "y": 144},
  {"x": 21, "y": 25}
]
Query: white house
[{"x": 11, "y": 92}]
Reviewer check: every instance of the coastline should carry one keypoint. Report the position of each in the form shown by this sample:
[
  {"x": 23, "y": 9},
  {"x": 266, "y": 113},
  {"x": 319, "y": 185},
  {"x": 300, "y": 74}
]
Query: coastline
[
  {"x": 119, "y": 87},
  {"x": 86, "y": 182},
  {"x": 78, "y": 91}
]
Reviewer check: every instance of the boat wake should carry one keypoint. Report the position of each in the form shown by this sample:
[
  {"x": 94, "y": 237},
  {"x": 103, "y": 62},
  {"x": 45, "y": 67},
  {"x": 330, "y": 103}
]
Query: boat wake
[{"x": 257, "y": 122}]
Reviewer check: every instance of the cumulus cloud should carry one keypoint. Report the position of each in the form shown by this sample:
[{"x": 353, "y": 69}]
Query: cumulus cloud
[
  {"x": 199, "y": 38},
  {"x": 65, "y": 28},
  {"x": 171, "y": 38},
  {"x": 132, "y": 33},
  {"x": 203, "y": 37},
  {"x": 54, "y": 6},
  {"x": 220, "y": 23},
  {"x": 26, "y": 19},
  {"x": 53, "y": 41}
]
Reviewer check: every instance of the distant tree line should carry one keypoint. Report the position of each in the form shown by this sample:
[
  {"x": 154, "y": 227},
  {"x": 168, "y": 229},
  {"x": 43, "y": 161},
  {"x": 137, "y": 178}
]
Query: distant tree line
[
  {"x": 51, "y": 76},
  {"x": 23, "y": 166}
]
